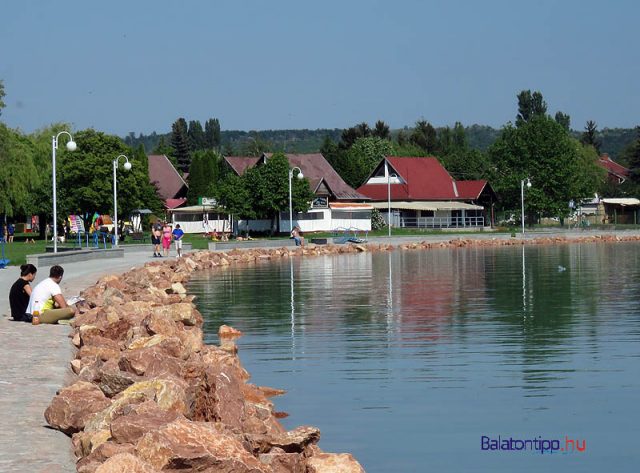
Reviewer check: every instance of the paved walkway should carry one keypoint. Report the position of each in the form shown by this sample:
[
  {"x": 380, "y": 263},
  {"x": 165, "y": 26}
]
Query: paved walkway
[
  {"x": 34, "y": 364},
  {"x": 34, "y": 361}
]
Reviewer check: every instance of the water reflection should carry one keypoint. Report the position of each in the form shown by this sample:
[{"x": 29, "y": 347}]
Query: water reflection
[{"x": 442, "y": 345}]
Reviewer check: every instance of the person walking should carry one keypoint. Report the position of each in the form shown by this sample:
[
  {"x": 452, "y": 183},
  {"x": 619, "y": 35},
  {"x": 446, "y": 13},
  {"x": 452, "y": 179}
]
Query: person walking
[
  {"x": 177, "y": 238},
  {"x": 166, "y": 239},
  {"x": 21, "y": 292},
  {"x": 156, "y": 235}
]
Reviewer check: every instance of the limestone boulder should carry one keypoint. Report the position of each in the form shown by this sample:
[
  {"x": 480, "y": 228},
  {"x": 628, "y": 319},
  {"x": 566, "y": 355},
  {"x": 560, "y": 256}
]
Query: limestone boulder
[
  {"x": 225, "y": 331},
  {"x": 74, "y": 405},
  {"x": 168, "y": 394},
  {"x": 333, "y": 463},
  {"x": 125, "y": 462},
  {"x": 196, "y": 446},
  {"x": 112, "y": 380},
  {"x": 181, "y": 312},
  {"x": 138, "y": 419},
  {"x": 297, "y": 440},
  {"x": 282, "y": 462},
  {"x": 91, "y": 462}
]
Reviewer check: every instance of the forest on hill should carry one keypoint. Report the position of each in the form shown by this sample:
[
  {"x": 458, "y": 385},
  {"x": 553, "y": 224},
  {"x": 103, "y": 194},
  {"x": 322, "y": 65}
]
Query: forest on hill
[{"x": 479, "y": 137}]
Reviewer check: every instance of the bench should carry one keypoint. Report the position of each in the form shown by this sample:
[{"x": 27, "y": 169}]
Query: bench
[{"x": 138, "y": 236}]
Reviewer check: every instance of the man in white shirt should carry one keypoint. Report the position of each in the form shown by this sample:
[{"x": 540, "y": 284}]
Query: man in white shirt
[{"x": 47, "y": 299}]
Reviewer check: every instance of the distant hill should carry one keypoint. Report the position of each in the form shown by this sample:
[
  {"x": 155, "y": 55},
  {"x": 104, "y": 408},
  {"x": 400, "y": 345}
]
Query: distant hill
[{"x": 614, "y": 140}]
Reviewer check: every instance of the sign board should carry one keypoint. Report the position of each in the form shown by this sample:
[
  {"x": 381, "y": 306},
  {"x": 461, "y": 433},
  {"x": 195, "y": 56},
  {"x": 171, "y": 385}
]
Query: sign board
[{"x": 207, "y": 201}]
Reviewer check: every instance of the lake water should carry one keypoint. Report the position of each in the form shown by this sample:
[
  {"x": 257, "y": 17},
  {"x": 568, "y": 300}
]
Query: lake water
[{"x": 407, "y": 359}]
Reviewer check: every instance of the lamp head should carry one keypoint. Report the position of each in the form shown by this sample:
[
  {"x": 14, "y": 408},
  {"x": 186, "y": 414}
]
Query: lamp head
[
  {"x": 127, "y": 166},
  {"x": 71, "y": 145},
  {"x": 300, "y": 175},
  {"x": 528, "y": 183}
]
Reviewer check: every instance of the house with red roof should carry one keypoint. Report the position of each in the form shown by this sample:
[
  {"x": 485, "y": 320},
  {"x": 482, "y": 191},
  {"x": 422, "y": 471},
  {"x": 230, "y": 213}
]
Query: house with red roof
[
  {"x": 171, "y": 186},
  {"x": 336, "y": 204},
  {"x": 616, "y": 173},
  {"x": 418, "y": 192}
]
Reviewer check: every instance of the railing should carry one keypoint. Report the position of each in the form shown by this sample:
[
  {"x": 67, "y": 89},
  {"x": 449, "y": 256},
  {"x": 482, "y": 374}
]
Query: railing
[{"x": 441, "y": 222}]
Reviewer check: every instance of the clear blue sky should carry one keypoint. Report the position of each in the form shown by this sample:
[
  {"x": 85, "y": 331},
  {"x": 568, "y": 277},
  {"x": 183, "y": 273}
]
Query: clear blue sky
[{"x": 121, "y": 66}]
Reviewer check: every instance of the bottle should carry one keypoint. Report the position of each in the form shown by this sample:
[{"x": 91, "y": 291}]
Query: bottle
[{"x": 35, "y": 317}]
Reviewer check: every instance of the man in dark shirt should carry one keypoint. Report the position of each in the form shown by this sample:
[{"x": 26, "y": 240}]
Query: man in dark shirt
[{"x": 20, "y": 292}]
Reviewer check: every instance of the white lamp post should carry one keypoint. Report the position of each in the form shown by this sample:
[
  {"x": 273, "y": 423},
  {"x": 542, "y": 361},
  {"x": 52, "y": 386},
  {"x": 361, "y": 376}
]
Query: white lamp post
[
  {"x": 522, "y": 199},
  {"x": 127, "y": 167},
  {"x": 389, "y": 176},
  {"x": 300, "y": 176},
  {"x": 71, "y": 146}
]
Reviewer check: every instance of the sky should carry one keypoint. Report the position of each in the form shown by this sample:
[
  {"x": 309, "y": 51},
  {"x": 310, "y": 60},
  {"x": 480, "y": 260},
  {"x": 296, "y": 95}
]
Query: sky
[{"x": 136, "y": 66}]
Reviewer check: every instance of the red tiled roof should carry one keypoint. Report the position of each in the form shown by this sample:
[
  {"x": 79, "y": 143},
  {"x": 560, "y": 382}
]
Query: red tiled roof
[
  {"x": 470, "y": 189},
  {"x": 314, "y": 167},
  {"x": 175, "y": 203},
  {"x": 241, "y": 163},
  {"x": 424, "y": 179},
  {"x": 612, "y": 167},
  {"x": 166, "y": 178}
]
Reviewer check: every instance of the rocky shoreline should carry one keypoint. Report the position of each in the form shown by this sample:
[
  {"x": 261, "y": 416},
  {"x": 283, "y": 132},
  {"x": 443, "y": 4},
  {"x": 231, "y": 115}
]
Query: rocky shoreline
[{"x": 150, "y": 396}]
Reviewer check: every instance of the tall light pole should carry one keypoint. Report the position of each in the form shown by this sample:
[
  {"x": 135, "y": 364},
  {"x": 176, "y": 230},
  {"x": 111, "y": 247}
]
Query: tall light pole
[
  {"x": 522, "y": 199},
  {"x": 389, "y": 176},
  {"x": 71, "y": 146},
  {"x": 300, "y": 176},
  {"x": 127, "y": 167}
]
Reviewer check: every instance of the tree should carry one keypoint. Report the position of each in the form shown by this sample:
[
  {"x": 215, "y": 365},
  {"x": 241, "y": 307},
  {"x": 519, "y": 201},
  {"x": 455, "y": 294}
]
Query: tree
[
  {"x": 564, "y": 120},
  {"x": 18, "y": 174},
  {"x": 2, "y": 95},
  {"x": 180, "y": 144},
  {"x": 530, "y": 106},
  {"x": 81, "y": 192},
  {"x": 589, "y": 136},
  {"x": 236, "y": 197},
  {"x": 196, "y": 136},
  {"x": 633, "y": 158},
  {"x": 424, "y": 136},
  {"x": 381, "y": 130},
  {"x": 541, "y": 149},
  {"x": 269, "y": 185},
  {"x": 362, "y": 158},
  {"x": 212, "y": 133},
  {"x": 203, "y": 175}
]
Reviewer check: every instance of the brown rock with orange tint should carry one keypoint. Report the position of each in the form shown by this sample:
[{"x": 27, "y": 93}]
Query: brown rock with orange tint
[{"x": 73, "y": 406}]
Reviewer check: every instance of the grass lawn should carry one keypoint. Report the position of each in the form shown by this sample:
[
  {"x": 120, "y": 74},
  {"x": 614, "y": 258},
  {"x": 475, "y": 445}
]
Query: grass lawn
[{"x": 17, "y": 251}]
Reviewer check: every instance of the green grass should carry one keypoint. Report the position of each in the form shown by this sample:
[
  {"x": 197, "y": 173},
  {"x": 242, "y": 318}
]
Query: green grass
[{"x": 17, "y": 251}]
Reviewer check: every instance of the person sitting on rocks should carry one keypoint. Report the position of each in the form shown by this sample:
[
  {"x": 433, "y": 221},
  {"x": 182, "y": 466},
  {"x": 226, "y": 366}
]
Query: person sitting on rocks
[
  {"x": 47, "y": 299},
  {"x": 296, "y": 234}
]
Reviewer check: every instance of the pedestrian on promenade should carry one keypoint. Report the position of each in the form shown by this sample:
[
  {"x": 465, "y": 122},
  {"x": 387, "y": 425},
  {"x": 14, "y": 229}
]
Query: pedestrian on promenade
[
  {"x": 48, "y": 300},
  {"x": 11, "y": 230},
  {"x": 156, "y": 235},
  {"x": 20, "y": 293},
  {"x": 177, "y": 238},
  {"x": 166, "y": 238},
  {"x": 296, "y": 234}
]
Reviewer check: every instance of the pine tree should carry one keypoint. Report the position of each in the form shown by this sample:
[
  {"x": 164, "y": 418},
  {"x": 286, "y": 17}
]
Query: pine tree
[
  {"x": 196, "y": 136},
  {"x": 212, "y": 134},
  {"x": 180, "y": 144},
  {"x": 589, "y": 136}
]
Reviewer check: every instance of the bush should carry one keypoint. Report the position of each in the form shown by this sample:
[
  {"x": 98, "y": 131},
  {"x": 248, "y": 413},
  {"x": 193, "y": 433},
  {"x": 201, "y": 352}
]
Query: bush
[{"x": 377, "y": 222}]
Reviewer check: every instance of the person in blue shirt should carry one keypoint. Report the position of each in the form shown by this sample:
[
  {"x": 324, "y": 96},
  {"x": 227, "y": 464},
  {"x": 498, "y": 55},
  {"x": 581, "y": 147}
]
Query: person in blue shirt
[{"x": 177, "y": 238}]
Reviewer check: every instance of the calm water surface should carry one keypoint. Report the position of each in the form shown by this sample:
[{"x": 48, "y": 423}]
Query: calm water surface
[{"x": 406, "y": 359}]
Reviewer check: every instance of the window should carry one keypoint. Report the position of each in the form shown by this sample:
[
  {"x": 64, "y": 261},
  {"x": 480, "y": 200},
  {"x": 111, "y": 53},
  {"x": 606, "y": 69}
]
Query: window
[{"x": 351, "y": 215}]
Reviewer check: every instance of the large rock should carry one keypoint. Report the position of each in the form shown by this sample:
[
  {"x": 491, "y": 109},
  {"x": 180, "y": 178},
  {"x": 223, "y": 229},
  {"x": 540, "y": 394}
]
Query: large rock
[
  {"x": 297, "y": 440},
  {"x": 169, "y": 394},
  {"x": 112, "y": 380},
  {"x": 282, "y": 462},
  {"x": 182, "y": 312},
  {"x": 333, "y": 463},
  {"x": 196, "y": 446},
  {"x": 138, "y": 419},
  {"x": 74, "y": 405},
  {"x": 91, "y": 462},
  {"x": 125, "y": 462}
]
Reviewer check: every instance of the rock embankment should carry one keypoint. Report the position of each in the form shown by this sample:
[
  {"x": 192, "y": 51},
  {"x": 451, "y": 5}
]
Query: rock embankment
[{"x": 150, "y": 396}]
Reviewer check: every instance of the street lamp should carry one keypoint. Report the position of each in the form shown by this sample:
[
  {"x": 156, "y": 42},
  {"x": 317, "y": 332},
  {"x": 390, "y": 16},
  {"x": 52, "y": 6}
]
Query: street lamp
[
  {"x": 389, "y": 176},
  {"x": 127, "y": 167},
  {"x": 71, "y": 146},
  {"x": 300, "y": 176},
  {"x": 522, "y": 199}
]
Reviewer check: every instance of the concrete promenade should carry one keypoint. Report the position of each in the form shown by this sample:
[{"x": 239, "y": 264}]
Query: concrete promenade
[{"x": 34, "y": 360}]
